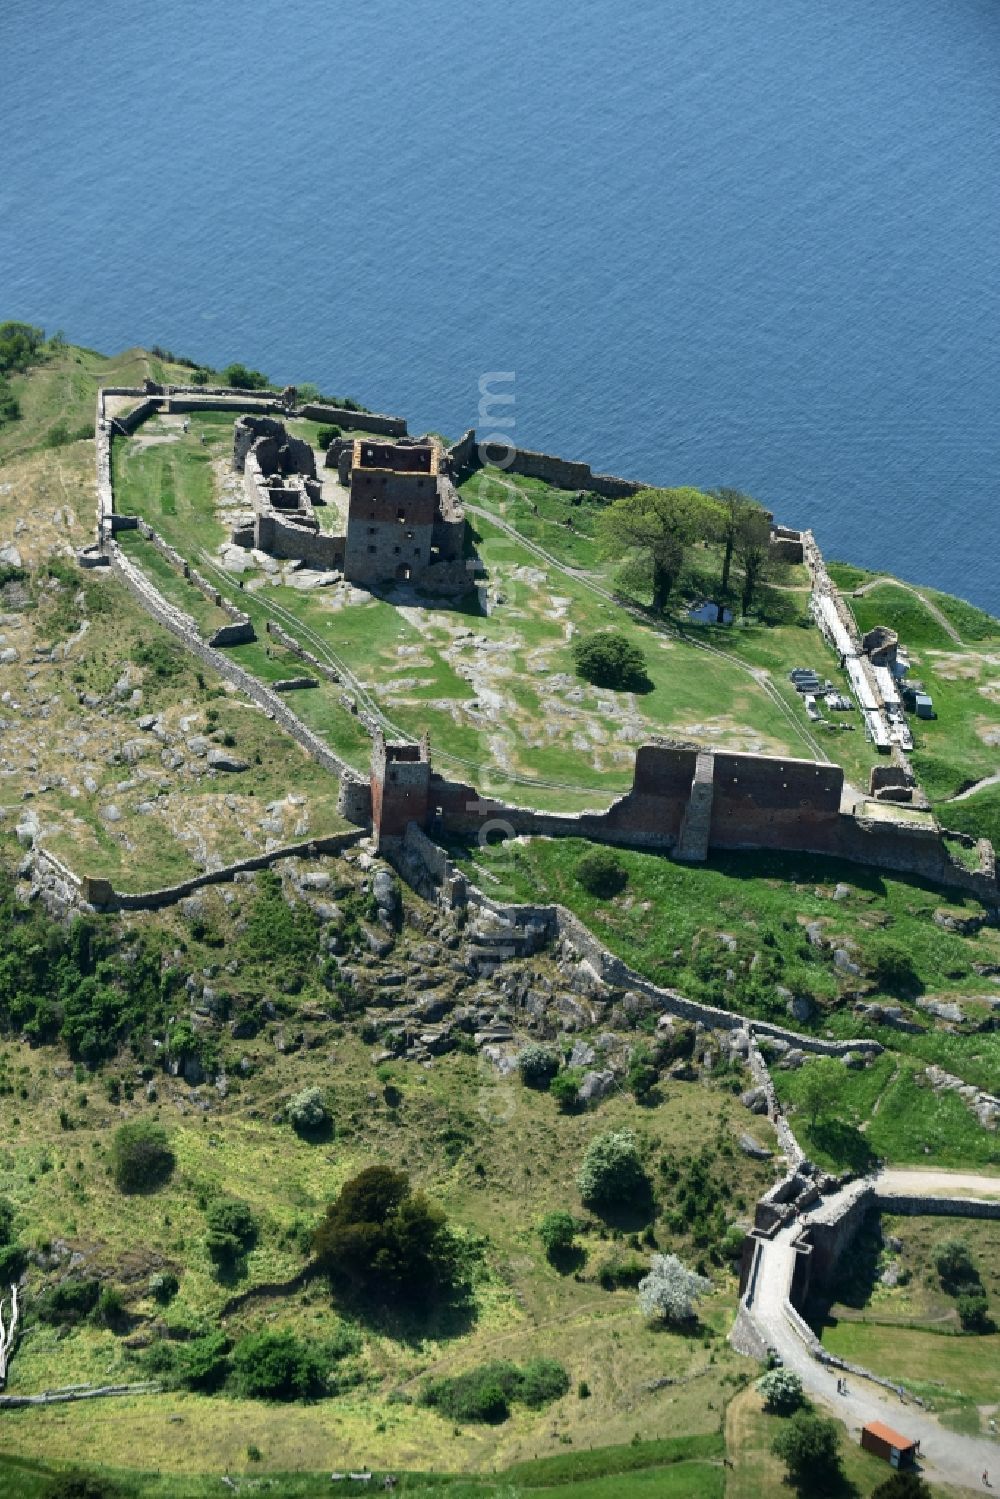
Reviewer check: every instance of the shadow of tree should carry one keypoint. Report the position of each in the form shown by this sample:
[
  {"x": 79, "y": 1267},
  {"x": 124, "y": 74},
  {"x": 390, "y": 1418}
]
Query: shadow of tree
[{"x": 843, "y": 1143}]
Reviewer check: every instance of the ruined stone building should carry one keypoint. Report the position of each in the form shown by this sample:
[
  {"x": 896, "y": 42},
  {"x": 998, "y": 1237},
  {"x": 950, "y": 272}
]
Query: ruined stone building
[
  {"x": 404, "y": 516},
  {"x": 405, "y": 522}
]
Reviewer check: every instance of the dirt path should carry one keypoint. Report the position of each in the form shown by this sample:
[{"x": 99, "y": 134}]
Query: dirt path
[
  {"x": 946, "y": 1456},
  {"x": 933, "y": 609}
]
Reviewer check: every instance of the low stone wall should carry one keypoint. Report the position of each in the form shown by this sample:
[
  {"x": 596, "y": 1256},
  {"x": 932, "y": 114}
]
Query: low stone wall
[
  {"x": 293, "y": 646},
  {"x": 240, "y": 631},
  {"x": 182, "y": 626},
  {"x": 343, "y": 416},
  {"x": 168, "y": 895},
  {"x": 937, "y": 1207}
]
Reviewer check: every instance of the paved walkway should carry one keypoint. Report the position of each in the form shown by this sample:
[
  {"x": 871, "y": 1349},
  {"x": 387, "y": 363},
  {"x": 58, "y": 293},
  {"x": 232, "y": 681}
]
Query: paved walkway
[{"x": 946, "y": 1456}]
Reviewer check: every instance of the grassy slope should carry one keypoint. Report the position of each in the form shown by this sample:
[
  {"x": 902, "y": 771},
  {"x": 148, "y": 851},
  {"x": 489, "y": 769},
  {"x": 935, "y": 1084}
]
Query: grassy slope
[
  {"x": 668, "y": 925},
  {"x": 910, "y": 1332}
]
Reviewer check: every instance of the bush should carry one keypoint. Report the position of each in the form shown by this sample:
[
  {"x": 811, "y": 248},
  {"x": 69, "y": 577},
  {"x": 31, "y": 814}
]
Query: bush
[
  {"x": 892, "y": 967},
  {"x": 241, "y": 378},
  {"x": 556, "y": 1231},
  {"x": 163, "y": 1287},
  {"x": 487, "y": 1392},
  {"x": 903, "y": 1486},
  {"x": 326, "y": 435},
  {"x": 612, "y": 1171},
  {"x": 386, "y": 1240},
  {"x": 601, "y": 873},
  {"x": 955, "y": 1266},
  {"x": 232, "y": 1230},
  {"x": 7, "y": 1212},
  {"x": 537, "y": 1066},
  {"x": 141, "y": 1157},
  {"x": 200, "y": 377},
  {"x": 565, "y": 1089},
  {"x": 202, "y": 1363},
  {"x": 13, "y": 1263},
  {"x": 782, "y": 1391},
  {"x": 81, "y": 1486},
  {"x": 609, "y": 659},
  {"x": 808, "y": 1446},
  {"x": 69, "y": 1302},
  {"x": 277, "y": 1366},
  {"x": 307, "y": 1111},
  {"x": 974, "y": 1312}
]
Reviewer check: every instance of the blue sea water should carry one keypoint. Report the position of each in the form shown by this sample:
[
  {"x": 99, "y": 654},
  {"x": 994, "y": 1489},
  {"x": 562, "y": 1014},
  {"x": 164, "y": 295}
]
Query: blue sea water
[{"x": 750, "y": 242}]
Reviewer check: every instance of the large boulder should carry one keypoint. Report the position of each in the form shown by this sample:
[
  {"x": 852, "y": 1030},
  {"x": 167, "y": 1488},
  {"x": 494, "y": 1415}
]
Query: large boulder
[
  {"x": 596, "y": 1085},
  {"x": 219, "y": 760}
]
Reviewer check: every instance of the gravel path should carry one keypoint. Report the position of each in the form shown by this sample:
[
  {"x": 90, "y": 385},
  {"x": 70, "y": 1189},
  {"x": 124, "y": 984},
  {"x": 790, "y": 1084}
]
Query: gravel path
[{"x": 946, "y": 1456}]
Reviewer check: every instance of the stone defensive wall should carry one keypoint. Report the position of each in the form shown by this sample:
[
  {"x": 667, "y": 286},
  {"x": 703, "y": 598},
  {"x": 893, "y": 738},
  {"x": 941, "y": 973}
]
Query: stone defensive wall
[
  {"x": 100, "y": 892},
  {"x": 562, "y": 473},
  {"x": 756, "y": 802},
  {"x": 343, "y": 416},
  {"x": 554, "y": 923}
]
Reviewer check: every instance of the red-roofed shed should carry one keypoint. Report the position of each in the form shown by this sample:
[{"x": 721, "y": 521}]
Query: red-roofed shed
[{"x": 897, "y": 1450}]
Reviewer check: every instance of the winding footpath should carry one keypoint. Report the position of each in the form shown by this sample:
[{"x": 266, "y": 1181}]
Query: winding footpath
[
  {"x": 945, "y": 1456},
  {"x": 932, "y": 609}
]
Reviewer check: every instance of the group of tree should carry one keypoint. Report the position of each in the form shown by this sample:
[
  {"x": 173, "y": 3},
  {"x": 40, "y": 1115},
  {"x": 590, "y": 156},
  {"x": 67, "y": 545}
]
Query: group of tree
[{"x": 653, "y": 532}]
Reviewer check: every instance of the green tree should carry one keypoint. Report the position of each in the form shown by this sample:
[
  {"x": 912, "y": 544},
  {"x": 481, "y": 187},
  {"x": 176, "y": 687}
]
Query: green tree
[
  {"x": 385, "y": 1240},
  {"x": 277, "y": 1366},
  {"x": 556, "y": 1231},
  {"x": 892, "y": 967},
  {"x": 654, "y": 529},
  {"x": 141, "y": 1157},
  {"x": 752, "y": 548},
  {"x": 601, "y": 873},
  {"x": 307, "y": 1111},
  {"x": 202, "y": 1363},
  {"x": 670, "y": 1292},
  {"x": 232, "y": 1231},
  {"x": 808, "y": 1445},
  {"x": 732, "y": 504},
  {"x": 820, "y": 1087},
  {"x": 903, "y": 1486},
  {"x": 609, "y": 659},
  {"x": 955, "y": 1266},
  {"x": 612, "y": 1171},
  {"x": 242, "y": 378}
]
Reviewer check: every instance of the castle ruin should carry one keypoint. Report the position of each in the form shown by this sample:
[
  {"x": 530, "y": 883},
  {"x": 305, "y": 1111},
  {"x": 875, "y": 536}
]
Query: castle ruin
[{"x": 405, "y": 522}]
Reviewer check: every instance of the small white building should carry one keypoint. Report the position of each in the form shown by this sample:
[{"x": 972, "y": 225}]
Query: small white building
[{"x": 707, "y": 612}]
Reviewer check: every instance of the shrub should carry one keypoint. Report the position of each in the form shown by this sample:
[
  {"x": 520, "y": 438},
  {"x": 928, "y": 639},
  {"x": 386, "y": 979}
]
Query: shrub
[
  {"x": 808, "y": 1446},
  {"x": 955, "y": 1266},
  {"x": 612, "y": 1170},
  {"x": 903, "y": 1486},
  {"x": 6, "y": 1221},
  {"x": 601, "y": 873},
  {"x": 974, "y": 1312},
  {"x": 241, "y": 378},
  {"x": 487, "y": 1392},
  {"x": 326, "y": 435},
  {"x": 81, "y": 1486},
  {"x": 565, "y": 1089},
  {"x": 232, "y": 1230},
  {"x": 199, "y": 377},
  {"x": 141, "y": 1157},
  {"x": 307, "y": 1111},
  {"x": 782, "y": 1391},
  {"x": 69, "y": 1302},
  {"x": 110, "y": 1308},
  {"x": 609, "y": 659},
  {"x": 556, "y": 1231},
  {"x": 386, "y": 1240},
  {"x": 163, "y": 1286},
  {"x": 13, "y": 1263},
  {"x": 277, "y": 1366},
  {"x": 892, "y": 967},
  {"x": 670, "y": 1292},
  {"x": 537, "y": 1066},
  {"x": 202, "y": 1363},
  {"x": 731, "y": 1243}
]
